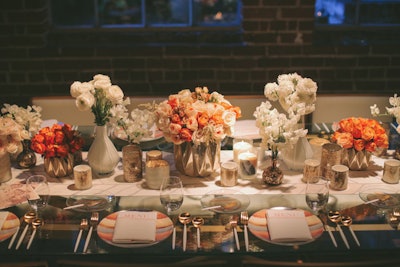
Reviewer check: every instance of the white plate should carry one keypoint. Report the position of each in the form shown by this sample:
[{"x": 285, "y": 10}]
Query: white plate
[
  {"x": 379, "y": 195},
  {"x": 105, "y": 230},
  {"x": 91, "y": 203},
  {"x": 229, "y": 201}
]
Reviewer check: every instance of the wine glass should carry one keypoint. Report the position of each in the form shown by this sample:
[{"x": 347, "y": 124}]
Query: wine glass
[
  {"x": 317, "y": 195},
  {"x": 171, "y": 193},
  {"x": 37, "y": 192}
]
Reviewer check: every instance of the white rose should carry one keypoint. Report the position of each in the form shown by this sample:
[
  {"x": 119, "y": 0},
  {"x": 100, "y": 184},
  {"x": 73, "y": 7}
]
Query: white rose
[
  {"x": 78, "y": 88},
  {"x": 25, "y": 134},
  {"x": 270, "y": 91},
  {"x": 85, "y": 101},
  {"x": 115, "y": 94},
  {"x": 229, "y": 118},
  {"x": 192, "y": 123},
  {"x": 174, "y": 128},
  {"x": 100, "y": 77}
]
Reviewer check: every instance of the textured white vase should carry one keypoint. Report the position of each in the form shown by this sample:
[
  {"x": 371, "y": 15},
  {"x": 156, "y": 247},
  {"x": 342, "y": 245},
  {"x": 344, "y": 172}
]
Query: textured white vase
[
  {"x": 102, "y": 156},
  {"x": 295, "y": 156}
]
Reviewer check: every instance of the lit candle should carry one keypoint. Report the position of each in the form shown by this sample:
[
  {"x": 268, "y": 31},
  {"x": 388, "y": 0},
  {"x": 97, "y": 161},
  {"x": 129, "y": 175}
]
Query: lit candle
[
  {"x": 247, "y": 165},
  {"x": 240, "y": 147}
]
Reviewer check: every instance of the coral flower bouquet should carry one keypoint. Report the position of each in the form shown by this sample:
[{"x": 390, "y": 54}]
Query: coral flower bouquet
[
  {"x": 198, "y": 117},
  {"x": 196, "y": 122},
  {"x": 359, "y": 137},
  {"x": 57, "y": 144}
]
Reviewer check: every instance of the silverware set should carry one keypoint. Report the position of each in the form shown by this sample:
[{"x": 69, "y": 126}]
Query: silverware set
[
  {"x": 85, "y": 223},
  {"x": 29, "y": 219},
  {"x": 338, "y": 219}
]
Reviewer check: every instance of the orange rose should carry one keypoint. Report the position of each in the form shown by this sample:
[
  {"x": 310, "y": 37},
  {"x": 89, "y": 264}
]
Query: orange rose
[
  {"x": 346, "y": 125},
  {"x": 357, "y": 128},
  {"x": 368, "y": 134},
  {"x": 382, "y": 140},
  {"x": 38, "y": 147},
  {"x": 50, "y": 151},
  {"x": 49, "y": 138},
  {"x": 186, "y": 135},
  {"x": 371, "y": 146},
  {"x": 345, "y": 140},
  {"x": 62, "y": 150},
  {"x": 359, "y": 144},
  {"x": 175, "y": 119},
  {"x": 59, "y": 137},
  {"x": 203, "y": 120}
]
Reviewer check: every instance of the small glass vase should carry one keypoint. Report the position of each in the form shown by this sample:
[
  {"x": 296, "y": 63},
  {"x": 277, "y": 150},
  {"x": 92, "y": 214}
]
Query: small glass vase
[
  {"x": 27, "y": 158},
  {"x": 273, "y": 175},
  {"x": 59, "y": 167},
  {"x": 5, "y": 167}
]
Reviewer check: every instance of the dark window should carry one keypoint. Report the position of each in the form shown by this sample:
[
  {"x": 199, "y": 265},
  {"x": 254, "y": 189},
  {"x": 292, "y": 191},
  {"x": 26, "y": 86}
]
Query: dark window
[{"x": 145, "y": 13}]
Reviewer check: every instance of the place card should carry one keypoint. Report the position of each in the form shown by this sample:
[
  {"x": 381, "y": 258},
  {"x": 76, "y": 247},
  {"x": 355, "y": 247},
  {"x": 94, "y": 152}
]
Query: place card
[
  {"x": 288, "y": 226},
  {"x": 135, "y": 227}
]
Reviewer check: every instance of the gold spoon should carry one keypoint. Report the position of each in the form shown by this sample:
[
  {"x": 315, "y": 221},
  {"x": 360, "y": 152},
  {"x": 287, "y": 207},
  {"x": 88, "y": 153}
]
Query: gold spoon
[
  {"x": 184, "y": 218},
  {"x": 335, "y": 217},
  {"x": 244, "y": 219},
  {"x": 28, "y": 218},
  {"x": 198, "y": 222},
  {"x": 347, "y": 221},
  {"x": 36, "y": 223}
]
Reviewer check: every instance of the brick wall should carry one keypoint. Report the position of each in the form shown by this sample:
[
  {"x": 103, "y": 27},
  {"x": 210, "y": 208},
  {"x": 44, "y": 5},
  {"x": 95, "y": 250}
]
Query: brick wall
[{"x": 277, "y": 37}]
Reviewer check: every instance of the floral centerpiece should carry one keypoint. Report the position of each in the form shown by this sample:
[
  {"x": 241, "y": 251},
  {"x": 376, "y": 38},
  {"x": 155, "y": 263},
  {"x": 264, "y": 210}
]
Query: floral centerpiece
[
  {"x": 10, "y": 139},
  {"x": 29, "y": 119},
  {"x": 393, "y": 111},
  {"x": 281, "y": 131},
  {"x": 101, "y": 97},
  {"x": 57, "y": 144},
  {"x": 196, "y": 122},
  {"x": 359, "y": 137}
]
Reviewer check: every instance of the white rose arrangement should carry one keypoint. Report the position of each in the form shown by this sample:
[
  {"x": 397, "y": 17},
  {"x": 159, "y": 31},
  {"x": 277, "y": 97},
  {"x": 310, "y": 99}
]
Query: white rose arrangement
[
  {"x": 28, "y": 118},
  {"x": 100, "y": 96},
  {"x": 392, "y": 111},
  {"x": 297, "y": 96}
]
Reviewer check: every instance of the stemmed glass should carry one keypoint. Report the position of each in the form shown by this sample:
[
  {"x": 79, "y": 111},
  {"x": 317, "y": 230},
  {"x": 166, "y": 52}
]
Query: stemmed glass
[
  {"x": 37, "y": 192},
  {"x": 317, "y": 195},
  {"x": 171, "y": 193}
]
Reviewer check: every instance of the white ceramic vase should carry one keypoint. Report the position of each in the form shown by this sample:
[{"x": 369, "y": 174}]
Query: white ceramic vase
[
  {"x": 102, "y": 156},
  {"x": 294, "y": 156}
]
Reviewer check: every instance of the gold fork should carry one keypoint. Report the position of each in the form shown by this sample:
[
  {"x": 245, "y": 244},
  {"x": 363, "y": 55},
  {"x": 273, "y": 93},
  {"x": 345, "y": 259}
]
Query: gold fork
[
  {"x": 83, "y": 226},
  {"x": 94, "y": 219}
]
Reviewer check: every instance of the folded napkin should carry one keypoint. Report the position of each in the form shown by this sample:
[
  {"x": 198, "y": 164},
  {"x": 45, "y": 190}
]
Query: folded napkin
[
  {"x": 135, "y": 227},
  {"x": 288, "y": 226}
]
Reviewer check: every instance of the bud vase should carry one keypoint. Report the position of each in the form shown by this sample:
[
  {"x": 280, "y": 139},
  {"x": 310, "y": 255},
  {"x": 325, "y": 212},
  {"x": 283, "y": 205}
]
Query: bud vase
[
  {"x": 27, "y": 158},
  {"x": 5, "y": 167},
  {"x": 102, "y": 156},
  {"x": 57, "y": 167},
  {"x": 197, "y": 160},
  {"x": 273, "y": 175}
]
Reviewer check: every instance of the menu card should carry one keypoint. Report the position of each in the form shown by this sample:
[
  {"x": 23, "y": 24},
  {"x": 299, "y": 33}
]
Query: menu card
[
  {"x": 3, "y": 217},
  {"x": 288, "y": 226},
  {"x": 135, "y": 227}
]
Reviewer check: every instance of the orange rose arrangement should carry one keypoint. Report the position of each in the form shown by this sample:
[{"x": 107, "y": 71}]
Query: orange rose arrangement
[
  {"x": 57, "y": 141},
  {"x": 360, "y": 134},
  {"x": 198, "y": 117}
]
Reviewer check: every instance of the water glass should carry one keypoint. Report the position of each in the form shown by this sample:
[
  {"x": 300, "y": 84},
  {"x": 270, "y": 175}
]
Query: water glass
[
  {"x": 37, "y": 192},
  {"x": 171, "y": 193},
  {"x": 317, "y": 195}
]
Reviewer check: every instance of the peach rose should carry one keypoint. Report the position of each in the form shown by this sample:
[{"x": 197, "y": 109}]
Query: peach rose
[
  {"x": 345, "y": 140},
  {"x": 359, "y": 144},
  {"x": 368, "y": 134}
]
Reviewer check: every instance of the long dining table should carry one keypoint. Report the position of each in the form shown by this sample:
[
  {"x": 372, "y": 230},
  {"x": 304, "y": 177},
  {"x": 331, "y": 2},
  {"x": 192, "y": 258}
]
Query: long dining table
[{"x": 55, "y": 240}]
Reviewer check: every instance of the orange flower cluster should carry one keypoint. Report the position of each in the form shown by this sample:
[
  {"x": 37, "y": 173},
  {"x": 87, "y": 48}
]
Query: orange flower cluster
[
  {"x": 360, "y": 133},
  {"x": 197, "y": 116},
  {"x": 56, "y": 141}
]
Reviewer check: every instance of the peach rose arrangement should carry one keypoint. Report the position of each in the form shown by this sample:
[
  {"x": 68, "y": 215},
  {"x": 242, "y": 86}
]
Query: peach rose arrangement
[
  {"x": 198, "y": 117},
  {"x": 56, "y": 141},
  {"x": 360, "y": 134}
]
